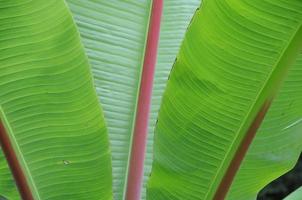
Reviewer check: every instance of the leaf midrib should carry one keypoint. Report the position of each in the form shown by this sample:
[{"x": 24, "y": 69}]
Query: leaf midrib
[
  {"x": 249, "y": 113},
  {"x": 19, "y": 154},
  {"x": 136, "y": 102}
]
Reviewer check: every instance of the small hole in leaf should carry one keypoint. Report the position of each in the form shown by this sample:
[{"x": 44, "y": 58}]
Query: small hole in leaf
[{"x": 66, "y": 162}]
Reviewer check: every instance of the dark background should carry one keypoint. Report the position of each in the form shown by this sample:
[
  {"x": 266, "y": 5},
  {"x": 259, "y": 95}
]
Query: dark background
[{"x": 283, "y": 186}]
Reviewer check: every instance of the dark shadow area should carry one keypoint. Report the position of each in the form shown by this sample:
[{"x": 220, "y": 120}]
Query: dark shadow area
[{"x": 284, "y": 185}]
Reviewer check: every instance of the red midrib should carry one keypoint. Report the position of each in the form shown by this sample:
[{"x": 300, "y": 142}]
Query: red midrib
[
  {"x": 233, "y": 168},
  {"x": 14, "y": 164},
  {"x": 137, "y": 157}
]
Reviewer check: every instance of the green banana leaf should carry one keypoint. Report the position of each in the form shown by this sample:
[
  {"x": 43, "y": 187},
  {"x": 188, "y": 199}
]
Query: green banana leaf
[
  {"x": 233, "y": 59},
  {"x": 114, "y": 34},
  {"x": 7, "y": 184},
  {"x": 296, "y": 195},
  {"x": 93, "y": 20},
  {"x": 107, "y": 44},
  {"x": 176, "y": 17},
  {"x": 277, "y": 145},
  {"x": 115, "y": 49},
  {"x": 48, "y": 104}
]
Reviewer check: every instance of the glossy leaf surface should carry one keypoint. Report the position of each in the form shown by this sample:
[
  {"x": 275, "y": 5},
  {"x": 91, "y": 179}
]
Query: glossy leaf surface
[
  {"x": 176, "y": 18},
  {"x": 48, "y": 104},
  {"x": 115, "y": 49},
  {"x": 234, "y": 56},
  {"x": 114, "y": 35},
  {"x": 277, "y": 144}
]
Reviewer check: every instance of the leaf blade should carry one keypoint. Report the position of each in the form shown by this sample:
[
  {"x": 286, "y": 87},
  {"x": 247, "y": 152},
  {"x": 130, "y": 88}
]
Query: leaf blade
[
  {"x": 176, "y": 17},
  {"x": 208, "y": 97},
  {"x": 114, "y": 35},
  {"x": 48, "y": 97},
  {"x": 276, "y": 146}
]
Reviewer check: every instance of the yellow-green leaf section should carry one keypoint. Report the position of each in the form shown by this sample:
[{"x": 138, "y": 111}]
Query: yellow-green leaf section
[
  {"x": 232, "y": 60},
  {"x": 277, "y": 145},
  {"x": 176, "y": 17},
  {"x": 49, "y": 105},
  {"x": 7, "y": 184}
]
